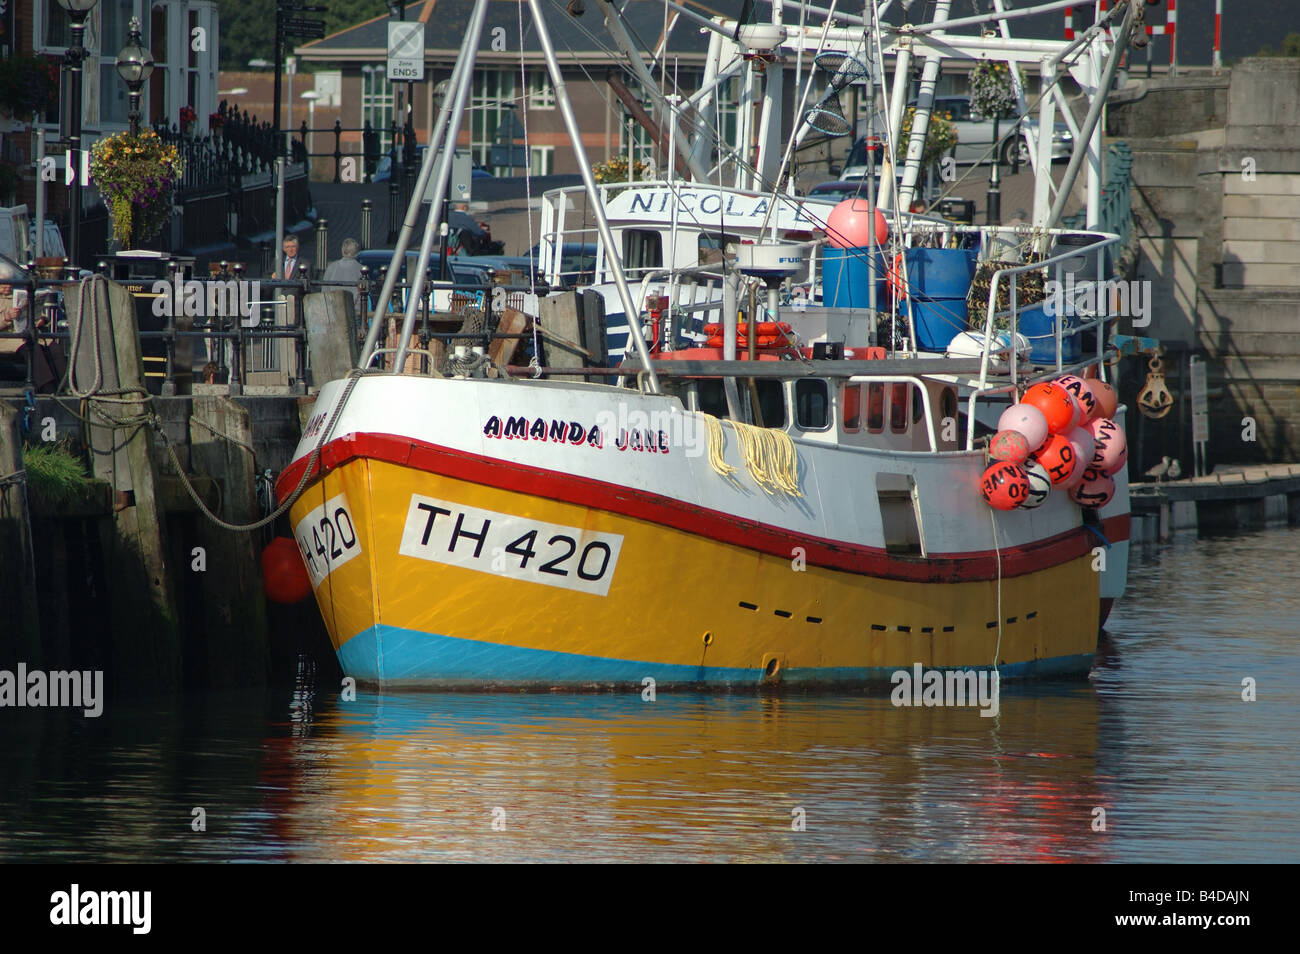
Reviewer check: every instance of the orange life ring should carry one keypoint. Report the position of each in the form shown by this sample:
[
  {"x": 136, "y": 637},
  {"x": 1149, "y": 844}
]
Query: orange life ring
[{"x": 894, "y": 278}]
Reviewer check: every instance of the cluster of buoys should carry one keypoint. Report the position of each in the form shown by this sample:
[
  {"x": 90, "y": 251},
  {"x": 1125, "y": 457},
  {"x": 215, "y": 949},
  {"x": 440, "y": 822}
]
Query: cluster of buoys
[
  {"x": 769, "y": 334},
  {"x": 1061, "y": 434}
]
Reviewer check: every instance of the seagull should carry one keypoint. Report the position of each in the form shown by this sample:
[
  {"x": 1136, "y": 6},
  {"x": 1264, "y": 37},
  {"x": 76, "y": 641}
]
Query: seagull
[{"x": 1167, "y": 469}]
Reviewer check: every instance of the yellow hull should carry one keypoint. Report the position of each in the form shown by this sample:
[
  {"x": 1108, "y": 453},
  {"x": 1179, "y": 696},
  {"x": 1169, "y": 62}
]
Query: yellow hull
[{"x": 677, "y": 607}]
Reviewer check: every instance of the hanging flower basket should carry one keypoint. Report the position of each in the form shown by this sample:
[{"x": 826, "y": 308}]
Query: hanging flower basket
[
  {"x": 137, "y": 176},
  {"x": 940, "y": 135},
  {"x": 992, "y": 91}
]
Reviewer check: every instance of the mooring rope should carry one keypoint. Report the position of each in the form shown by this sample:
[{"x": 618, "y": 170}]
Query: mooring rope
[{"x": 353, "y": 376}]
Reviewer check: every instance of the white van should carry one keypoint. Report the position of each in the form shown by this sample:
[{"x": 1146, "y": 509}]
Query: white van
[{"x": 18, "y": 236}]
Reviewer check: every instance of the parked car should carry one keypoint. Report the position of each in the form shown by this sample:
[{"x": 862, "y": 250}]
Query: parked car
[
  {"x": 384, "y": 171},
  {"x": 462, "y": 271},
  {"x": 975, "y": 137}
]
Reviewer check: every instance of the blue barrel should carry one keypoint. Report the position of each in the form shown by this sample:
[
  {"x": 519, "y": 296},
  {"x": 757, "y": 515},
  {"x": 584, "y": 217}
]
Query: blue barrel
[
  {"x": 940, "y": 272},
  {"x": 938, "y": 320},
  {"x": 846, "y": 278},
  {"x": 1040, "y": 328}
]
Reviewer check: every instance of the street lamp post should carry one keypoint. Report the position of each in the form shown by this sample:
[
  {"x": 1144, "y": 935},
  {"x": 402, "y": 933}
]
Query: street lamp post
[
  {"x": 135, "y": 66},
  {"x": 77, "y": 11},
  {"x": 311, "y": 96}
]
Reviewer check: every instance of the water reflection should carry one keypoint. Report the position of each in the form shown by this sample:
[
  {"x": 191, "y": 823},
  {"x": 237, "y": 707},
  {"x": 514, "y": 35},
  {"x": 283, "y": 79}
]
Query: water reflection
[{"x": 1160, "y": 739}]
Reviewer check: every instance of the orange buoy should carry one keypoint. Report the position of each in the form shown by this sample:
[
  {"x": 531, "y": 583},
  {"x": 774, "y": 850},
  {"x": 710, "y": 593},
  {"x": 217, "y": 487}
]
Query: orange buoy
[
  {"x": 284, "y": 577},
  {"x": 1059, "y": 459},
  {"x": 1107, "y": 399},
  {"x": 1005, "y": 486},
  {"x": 1058, "y": 407}
]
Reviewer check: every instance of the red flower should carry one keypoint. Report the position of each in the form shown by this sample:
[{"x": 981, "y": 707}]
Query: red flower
[{"x": 188, "y": 115}]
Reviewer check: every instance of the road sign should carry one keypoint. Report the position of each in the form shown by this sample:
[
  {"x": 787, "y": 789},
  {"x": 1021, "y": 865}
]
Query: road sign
[
  {"x": 513, "y": 157},
  {"x": 309, "y": 28},
  {"x": 406, "y": 51}
]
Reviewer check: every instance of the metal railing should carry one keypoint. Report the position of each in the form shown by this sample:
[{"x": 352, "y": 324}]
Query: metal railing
[{"x": 1116, "y": 215}]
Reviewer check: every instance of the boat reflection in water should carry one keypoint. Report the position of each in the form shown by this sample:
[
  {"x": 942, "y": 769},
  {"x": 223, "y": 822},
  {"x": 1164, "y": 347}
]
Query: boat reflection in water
[{"x": 479, "y": 777}]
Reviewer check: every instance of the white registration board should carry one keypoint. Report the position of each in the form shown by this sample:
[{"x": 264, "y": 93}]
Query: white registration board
[{"x": 572, "y": 558}]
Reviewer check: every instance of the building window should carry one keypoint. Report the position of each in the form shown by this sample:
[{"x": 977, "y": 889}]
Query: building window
[
  {"x": 156, "y": 39},
  {"x": 541, "y": 160},
  {"x": 541, "y": 94},
  {"x": 492, "y": 98},
  {"x": 377, "y": 103}
]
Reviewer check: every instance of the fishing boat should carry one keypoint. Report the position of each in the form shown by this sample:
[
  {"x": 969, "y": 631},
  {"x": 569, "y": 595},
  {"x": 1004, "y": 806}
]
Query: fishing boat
[{"x": 782, "y": 499}]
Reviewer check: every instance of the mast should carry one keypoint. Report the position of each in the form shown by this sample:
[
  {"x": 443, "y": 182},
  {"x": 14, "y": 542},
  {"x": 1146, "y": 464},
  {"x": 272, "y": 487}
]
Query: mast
[{"x": 632, "y": 312}]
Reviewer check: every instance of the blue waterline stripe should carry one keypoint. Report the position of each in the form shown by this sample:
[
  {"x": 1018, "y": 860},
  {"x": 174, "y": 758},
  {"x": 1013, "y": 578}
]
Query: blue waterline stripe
[{"x": 392, "y": 655}]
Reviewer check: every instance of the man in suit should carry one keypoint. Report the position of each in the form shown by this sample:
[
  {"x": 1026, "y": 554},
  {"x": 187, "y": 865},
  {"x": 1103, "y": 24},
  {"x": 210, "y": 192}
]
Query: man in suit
[{"x": 296, "y": 268}]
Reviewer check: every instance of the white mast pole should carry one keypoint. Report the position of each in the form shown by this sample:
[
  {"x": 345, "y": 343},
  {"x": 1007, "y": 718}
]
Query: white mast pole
[{"x": 632, "y": 312}]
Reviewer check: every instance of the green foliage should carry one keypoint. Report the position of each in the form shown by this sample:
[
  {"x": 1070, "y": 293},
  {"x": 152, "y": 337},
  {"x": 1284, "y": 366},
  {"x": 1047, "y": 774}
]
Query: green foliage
[
  {"x": 29, "y": 84},
  {"x": 1290, "y": 47},
  {"x": 248, "y": 26},
  {"x": 54, "y": 474},
  {"x": 940, "y": 135}
]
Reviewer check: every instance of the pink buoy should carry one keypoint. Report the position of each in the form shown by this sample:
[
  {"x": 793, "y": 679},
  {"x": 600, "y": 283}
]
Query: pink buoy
[
  {"x": 1093, "y": 490},
  {"x": 1026, "y": 419},
  {"x": 1082, "y": 442},
  {"x": 1010, "y": 446},
  {"x": 849, "y": 225},
  {"x": 1111, "y": 446}
]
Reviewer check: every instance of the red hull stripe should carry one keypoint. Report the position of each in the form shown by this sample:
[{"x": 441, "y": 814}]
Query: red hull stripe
[{"x": 726, "y": 528}]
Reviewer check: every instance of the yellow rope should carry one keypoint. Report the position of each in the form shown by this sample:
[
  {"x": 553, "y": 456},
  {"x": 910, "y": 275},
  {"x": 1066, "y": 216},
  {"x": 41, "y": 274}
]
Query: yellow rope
[
  {"x": 769, "y": 456},
  {"x": 717, "y": 443}
]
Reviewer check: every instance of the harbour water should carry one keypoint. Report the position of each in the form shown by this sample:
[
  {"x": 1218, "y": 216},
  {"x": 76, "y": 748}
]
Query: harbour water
[{"x": 1159, "y": 739}]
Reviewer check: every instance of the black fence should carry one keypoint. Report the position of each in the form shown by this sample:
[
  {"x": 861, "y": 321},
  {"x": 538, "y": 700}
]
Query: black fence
[{"x": 231, "y": 344}]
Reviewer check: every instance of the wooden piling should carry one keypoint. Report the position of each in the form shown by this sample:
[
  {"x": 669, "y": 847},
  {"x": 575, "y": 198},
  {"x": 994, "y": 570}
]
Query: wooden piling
[
  {"x": 146, "y": 648},
  {"x": 331, "y": 345},
  {"x": 20, "y": 639},
  {"x": 233, "y": 616}
]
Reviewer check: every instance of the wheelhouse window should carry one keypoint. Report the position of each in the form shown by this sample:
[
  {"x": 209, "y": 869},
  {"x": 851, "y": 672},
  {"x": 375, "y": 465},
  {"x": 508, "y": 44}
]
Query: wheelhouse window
[
  {"x": 642, "y": 248},
  {"x": 713, "y": 245},
  {"x": 812, "y": 404},
  {"x": 851, "y": 408},
  {"x": 875, "y": 408},
  {"x": 771, "y": 403},
  {"x": 898, "y": 408}
]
